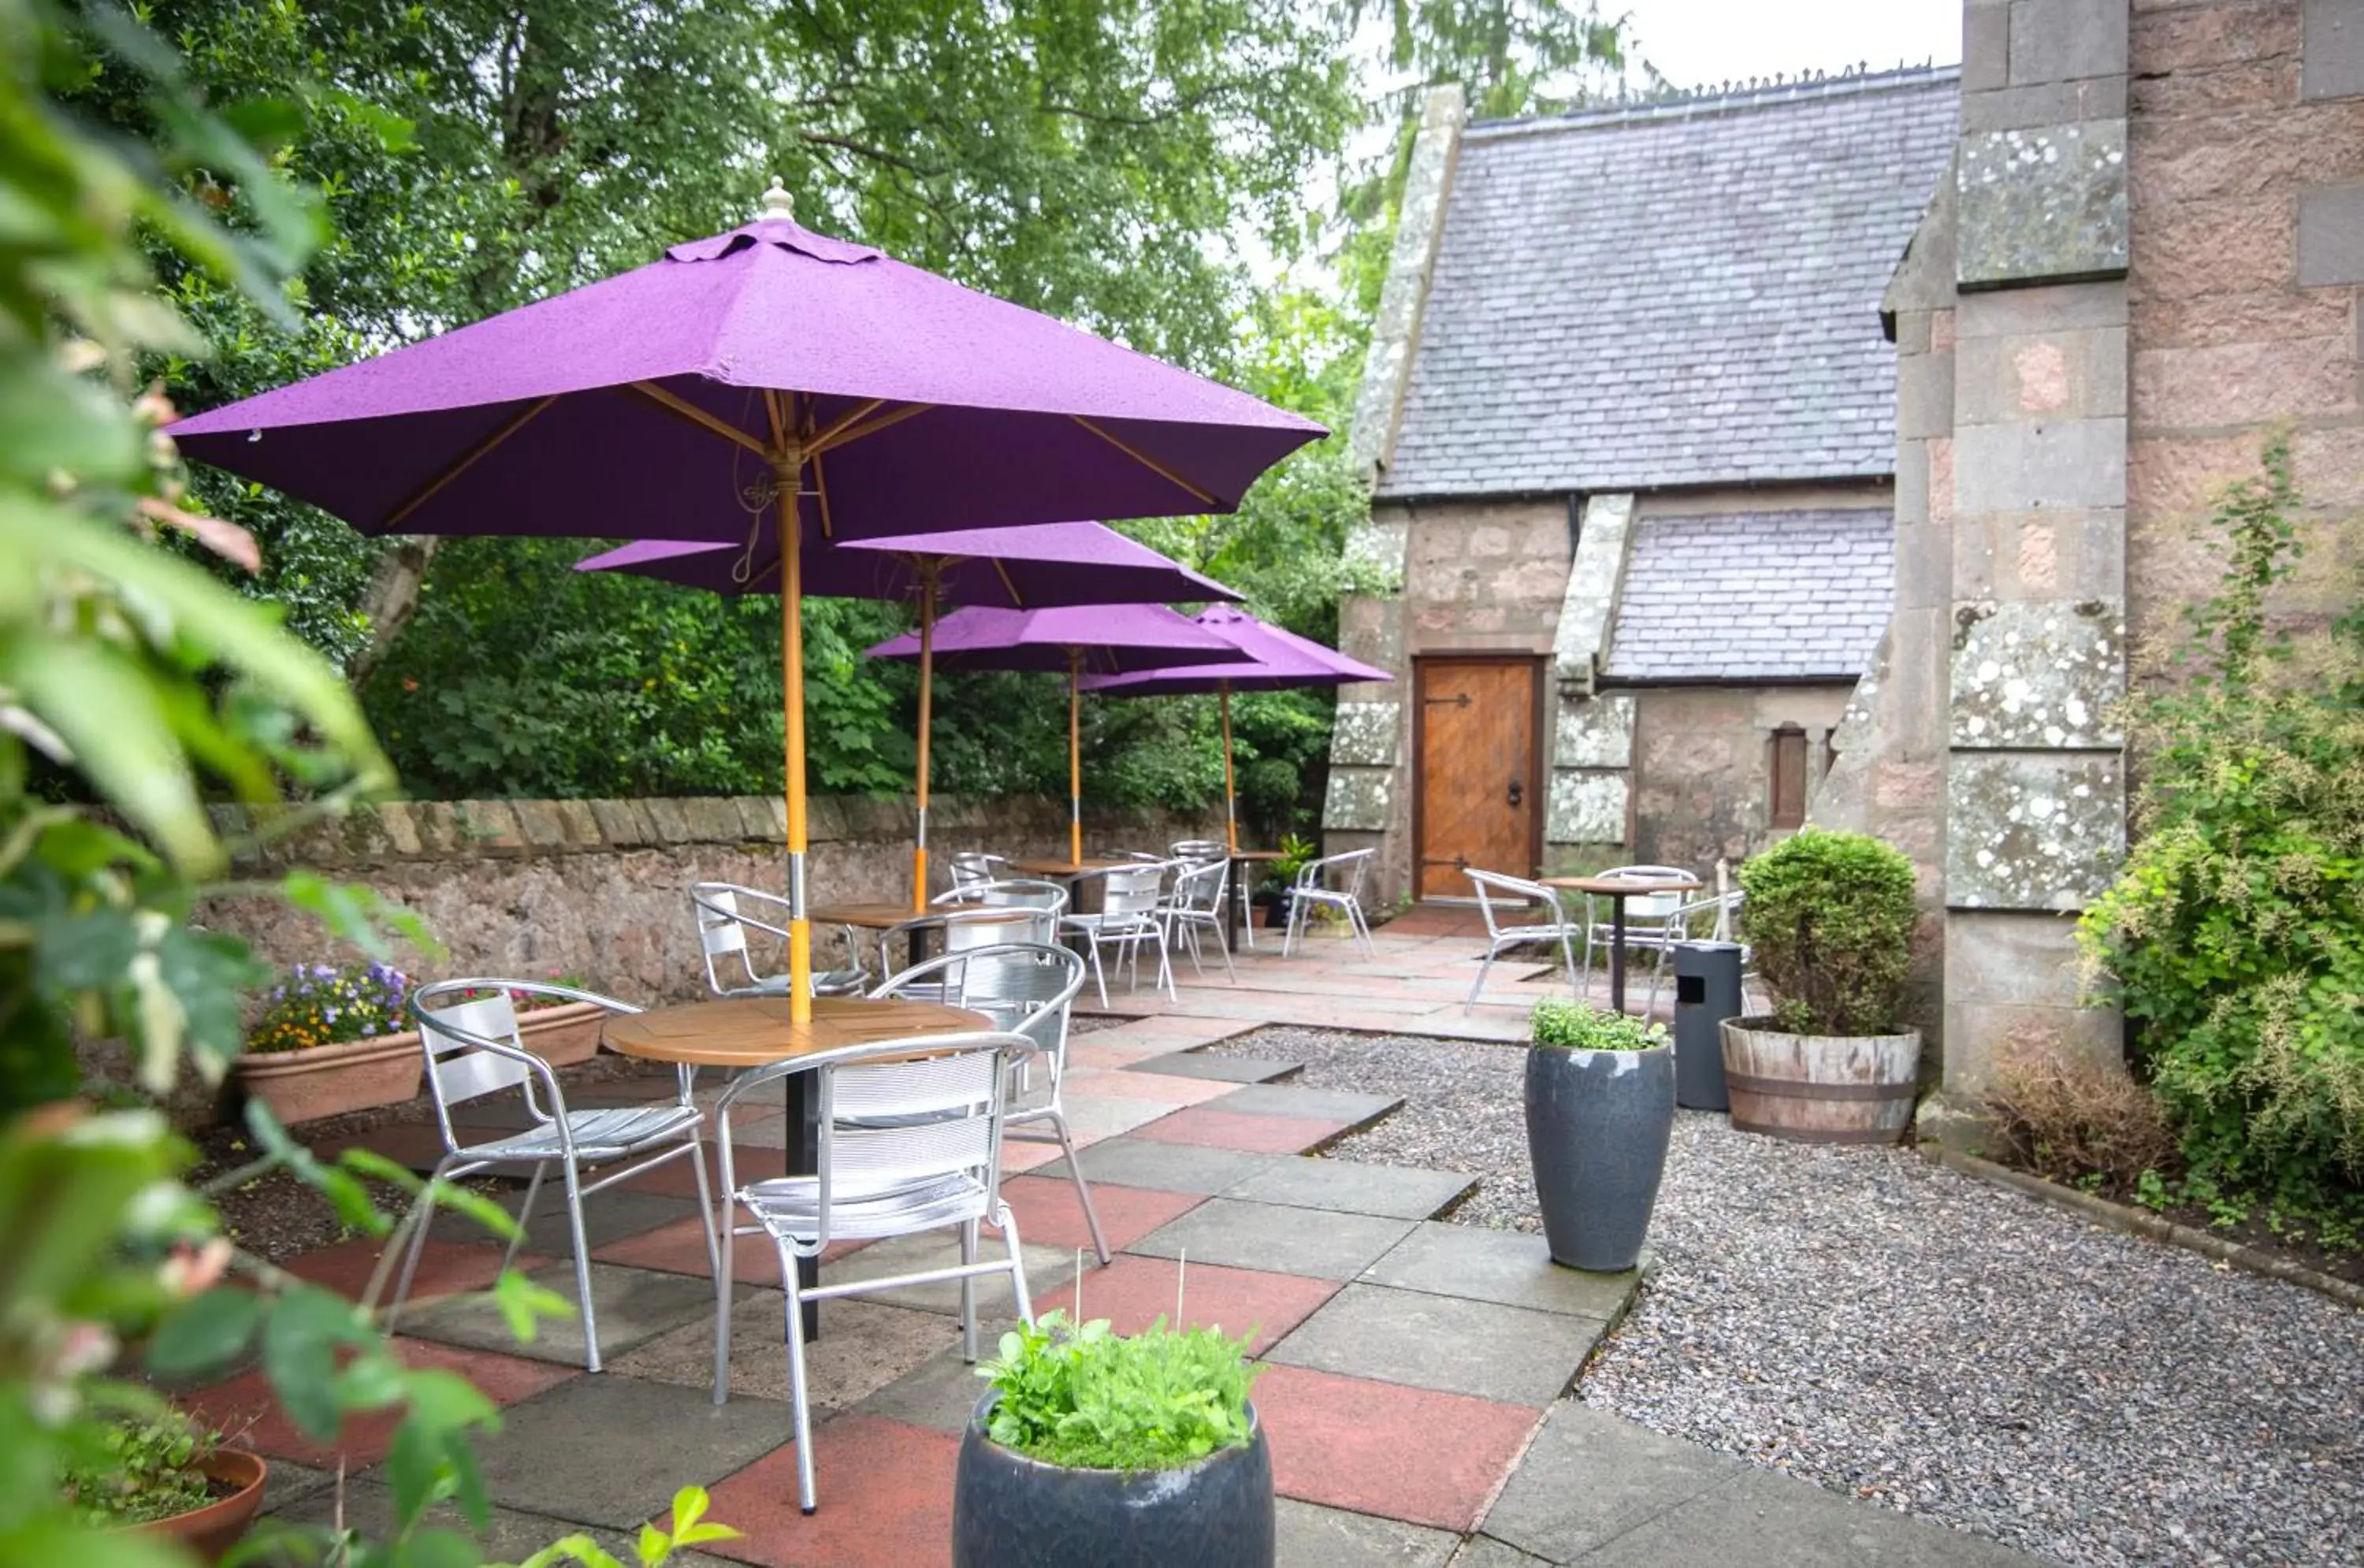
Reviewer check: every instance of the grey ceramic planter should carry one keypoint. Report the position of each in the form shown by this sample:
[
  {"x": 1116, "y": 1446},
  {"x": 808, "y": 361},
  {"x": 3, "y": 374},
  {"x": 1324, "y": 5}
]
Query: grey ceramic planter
[
  {"x": 1009, "y": 1510},
  {"x": 1598, "y": 1123}
]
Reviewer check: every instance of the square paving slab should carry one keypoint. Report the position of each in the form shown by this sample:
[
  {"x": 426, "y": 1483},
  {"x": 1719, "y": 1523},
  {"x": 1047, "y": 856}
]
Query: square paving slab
[
  {"x": 1310, "y": 1536},
  {"x": 1380, "y": 1448},
  {"x": 863, "y": 1347},
  {"x": 940, "y": 1392},
  {"x": 1589, "y": 1477},
  {"x": 1508, "y": 1267},
  {"x": 632, "y": 1305},
  {"x": 1733, "y": 1522},
  {"x": 1219, "y": 1129},
  {"x": 1049, "y": 1212},
  {"x": 608, "y": 1217},
  {"x": 884, "y": 1490},
  {"x": 1509, "y": 1353},
  {"x": 512, "y": 1537},
  {"x": 1133, "y": 1291},
  {"x": 1171, "y": 1167},
  {"x": 612, "y": 1451},
  {"x": 1275, "y": 1239},
  {"x": 445, "y": 1268},
  {"x": 1048, "y": 1271},
  {"x": 1399, "y": 1192},
  {"x": 1312, "y": 1105},
  {"x": 1222, "y": 1068},
  {"x": 246, "y": 1405}
]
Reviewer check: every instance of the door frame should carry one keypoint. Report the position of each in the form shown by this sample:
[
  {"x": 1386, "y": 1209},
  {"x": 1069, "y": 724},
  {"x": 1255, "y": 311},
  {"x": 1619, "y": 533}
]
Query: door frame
[{"x": 1539, "y": 676}]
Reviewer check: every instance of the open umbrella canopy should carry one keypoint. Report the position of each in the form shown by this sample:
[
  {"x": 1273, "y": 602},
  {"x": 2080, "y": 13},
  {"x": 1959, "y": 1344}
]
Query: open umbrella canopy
[
  {"x": 1101, "y": 638},
  {"x": 1270, "y": 660},
  {"x": 1014, "y": 568},
  {"x": 605, "y": 409}
]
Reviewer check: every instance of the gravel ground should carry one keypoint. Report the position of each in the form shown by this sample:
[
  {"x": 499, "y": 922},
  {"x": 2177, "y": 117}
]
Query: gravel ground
[{"x": 1902, "y": 1332}]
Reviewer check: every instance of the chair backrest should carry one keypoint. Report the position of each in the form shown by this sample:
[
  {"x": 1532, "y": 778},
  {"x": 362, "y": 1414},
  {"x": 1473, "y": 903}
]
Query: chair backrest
[
  {"x": 723, "y": 922},
  {"x": 1131, "y": 893},
  {"x": 1198, "y": 852},
  {"x": 993, "y": 925},
  {"x": 1025, "y": 988},
  {"x": 1317, "y": 873},
  {"x": 1496, "y": 890},
  {"x": 974, "y": 865},
  {"x": 460, "y": 1067},
  {"x": 1198, "y": 888},
  {"x": 1010, "y": 893},
  {"x": 1652, "y": 905}
]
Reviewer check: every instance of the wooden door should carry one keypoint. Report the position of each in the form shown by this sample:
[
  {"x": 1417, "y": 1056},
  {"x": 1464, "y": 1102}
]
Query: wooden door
[{"x": 1479, "y": 788}]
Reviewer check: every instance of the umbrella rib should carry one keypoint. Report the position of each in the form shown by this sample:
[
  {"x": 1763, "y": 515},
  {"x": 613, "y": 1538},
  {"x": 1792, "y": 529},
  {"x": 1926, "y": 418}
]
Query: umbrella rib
[
  {"x": 1145, "y": 461},
  {"x": 681, "y": 408},
  {"x": 840, "y": 434},
  {"x": 1002, "y": 567},
  {"x": 820, "y": 489},
  {"x": 427, "y": 492}
]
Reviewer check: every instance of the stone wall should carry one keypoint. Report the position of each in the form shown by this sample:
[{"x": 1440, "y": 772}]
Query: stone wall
[{"x": 1702, "y": 762}]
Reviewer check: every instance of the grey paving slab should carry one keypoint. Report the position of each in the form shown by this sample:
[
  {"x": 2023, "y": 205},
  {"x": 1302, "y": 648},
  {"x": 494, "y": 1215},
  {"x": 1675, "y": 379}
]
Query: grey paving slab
[
  {"x": 1275, "y": 1237},
  {"x": 1588, "y": 1477},
  {"x": 1224, "y": 1069},
  {"x": 1169, "y": 1167},
  {"x": 1509, "y": 1267},
  {"x": 584, "y": 1451},
  {"x": 1048, "y": 1269},
  {"x": 1310, "y": 1536},
  {"x": 863, "y": 1347},
  {"x": 940, "y": 1392},
  {"x": 286, "y": 1482},
  {"x": 1399, "y": 1192},
  {"x": 607, "y": 1218},
  {"x": 1485, "y": 1551},
  {"x": 512, "y": 1536},
  {"x": 1320, "y": 1105},
  {"x": 1513, "y": 1354},
  {"x": 1764, "y": 1517},
  {"x": 632, "y": 1306}
]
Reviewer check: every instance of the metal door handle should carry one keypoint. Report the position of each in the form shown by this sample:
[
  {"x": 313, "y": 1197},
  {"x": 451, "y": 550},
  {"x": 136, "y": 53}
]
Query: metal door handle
[{"x": 1518, "y": 792}]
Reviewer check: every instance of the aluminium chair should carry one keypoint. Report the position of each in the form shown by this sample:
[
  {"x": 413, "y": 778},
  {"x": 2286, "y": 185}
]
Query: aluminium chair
[
  {"x": 975, "y": 865},
  {"x": 723, "y": 922},
  {"x": 1196, "y": 904},
  {"x": 910, "y": 1141},
  {"x": 1649, "y": 918},
  {"x": 1312, "y": 890},
  {"x": 1719, "y": 911},
  {"x": 1128, "y": 918},
  {"x": 1006, "y": 893},
  {"x": 1198, "y": 852},
  {"x": 1498, "y": 894},
  {"x": 1028, "y": 988},
  {"x": 473, "y": 1050}
]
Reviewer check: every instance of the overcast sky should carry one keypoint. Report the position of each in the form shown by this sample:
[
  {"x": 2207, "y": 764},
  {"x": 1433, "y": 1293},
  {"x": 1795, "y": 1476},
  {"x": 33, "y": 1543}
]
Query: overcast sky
[{"x": 1698, "y": 43}]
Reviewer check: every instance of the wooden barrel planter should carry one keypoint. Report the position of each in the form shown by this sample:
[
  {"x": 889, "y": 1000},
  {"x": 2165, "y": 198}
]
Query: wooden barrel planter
[{"x": 1821, "y": 1088}]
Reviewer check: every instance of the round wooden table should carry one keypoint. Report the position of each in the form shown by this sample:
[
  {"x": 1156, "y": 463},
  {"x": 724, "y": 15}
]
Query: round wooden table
[
  {"x": 884, "y": 917},
  {"x": 756, "y": 1031},
  {"x": 1617, "y": 889},
  {"x": 1067, "y": 871}
]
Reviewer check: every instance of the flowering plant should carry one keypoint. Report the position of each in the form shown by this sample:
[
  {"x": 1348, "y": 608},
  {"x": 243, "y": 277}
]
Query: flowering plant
[
  {"x": 321, "y": 1004},
  {"x": 534, "y": 1001}
]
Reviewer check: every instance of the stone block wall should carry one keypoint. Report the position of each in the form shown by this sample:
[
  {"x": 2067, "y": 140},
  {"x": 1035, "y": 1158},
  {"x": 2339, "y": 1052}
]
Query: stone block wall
[{"x": 1702, "y": 767}]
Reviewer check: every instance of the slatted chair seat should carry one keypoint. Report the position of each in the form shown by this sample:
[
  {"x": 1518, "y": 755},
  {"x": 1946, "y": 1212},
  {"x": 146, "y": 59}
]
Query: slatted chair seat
[{"x": 610, "y": 1133}]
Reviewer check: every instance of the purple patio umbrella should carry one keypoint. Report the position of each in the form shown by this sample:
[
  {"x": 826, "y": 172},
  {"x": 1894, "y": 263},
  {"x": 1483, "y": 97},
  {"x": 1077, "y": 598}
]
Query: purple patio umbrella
[
  {"x": 1106, "y": 639},
  {"x": 1018, "y": 568},
  {"x": 767, "y": 372},
  {"x": 1271, "y": 659}
]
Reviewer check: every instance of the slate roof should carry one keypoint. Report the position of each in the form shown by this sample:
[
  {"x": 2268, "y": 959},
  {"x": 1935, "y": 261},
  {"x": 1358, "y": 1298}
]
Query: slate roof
[
  {"x": 1678, "y": 293},
  {"x": 1754, "y": 595}
]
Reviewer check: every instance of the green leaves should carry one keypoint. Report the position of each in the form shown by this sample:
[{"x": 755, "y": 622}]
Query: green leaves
[
  {"x": 207, "y": 1333},
  {"x": 300, "y": 1341},
  {"x": 1086, "y": 1398},
  {"x": 1831, "y": 917},
  {"x": 1576, "y": 1026}
]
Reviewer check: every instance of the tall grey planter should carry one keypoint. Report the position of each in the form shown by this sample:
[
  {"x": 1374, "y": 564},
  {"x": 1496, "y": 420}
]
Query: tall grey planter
[{"x": 1598, "y": 1123}]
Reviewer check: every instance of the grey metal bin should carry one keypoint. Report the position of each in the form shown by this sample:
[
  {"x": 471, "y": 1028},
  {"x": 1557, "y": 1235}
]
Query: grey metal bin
[{"x": 1707, "y": 992}]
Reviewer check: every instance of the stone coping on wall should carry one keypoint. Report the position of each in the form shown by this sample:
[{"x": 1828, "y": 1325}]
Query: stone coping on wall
[{"x": 466, "y": 829}]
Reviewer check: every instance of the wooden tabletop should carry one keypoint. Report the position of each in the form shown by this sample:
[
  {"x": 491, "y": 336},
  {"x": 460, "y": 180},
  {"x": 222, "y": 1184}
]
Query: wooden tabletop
[
  {"x": 1255, "y": 855},
  {"x": 885, "y": 916},
  {"x": 757, "y": 1031},
  {"x": 1635, "y": 886},
  {"x": 1069, "y": 868}
]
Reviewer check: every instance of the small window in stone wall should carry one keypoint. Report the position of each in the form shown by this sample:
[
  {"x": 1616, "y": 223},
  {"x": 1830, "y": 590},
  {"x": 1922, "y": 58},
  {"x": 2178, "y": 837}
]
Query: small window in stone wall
[{"x": 1785, "y": 778}]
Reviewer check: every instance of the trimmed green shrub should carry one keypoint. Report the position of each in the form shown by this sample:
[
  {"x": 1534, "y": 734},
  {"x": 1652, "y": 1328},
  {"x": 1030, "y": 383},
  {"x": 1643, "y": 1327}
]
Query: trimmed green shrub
[
  {"x": 1091, "y": 1399},
  {"x": 1831, "y": 917},
  {"x": 1575, "y": 1026}
]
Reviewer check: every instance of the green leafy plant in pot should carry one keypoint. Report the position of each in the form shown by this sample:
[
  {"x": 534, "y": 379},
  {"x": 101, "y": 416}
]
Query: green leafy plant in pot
[
  {"x": 159, "y": 1472},
  {"x": 1272, "y": 898},
  {"x": 1830, "y": 917},
  {"x": 1600, "y": 1106},
  {"x": 1097, "y": 1448}
]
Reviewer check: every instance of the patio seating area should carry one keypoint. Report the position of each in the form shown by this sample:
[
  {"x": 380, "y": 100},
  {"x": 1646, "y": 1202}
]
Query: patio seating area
[{"x": 1419, "y": 1371}]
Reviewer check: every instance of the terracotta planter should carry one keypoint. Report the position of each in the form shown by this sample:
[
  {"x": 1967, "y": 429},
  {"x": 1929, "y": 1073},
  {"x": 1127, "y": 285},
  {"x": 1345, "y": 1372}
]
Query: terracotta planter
[
  {"x": 213, "y": 1530},
  {"x": 565, "y": 1035},
  {"x": 330, "y": 1080},
  {"x": 1821, "y": 1088}
]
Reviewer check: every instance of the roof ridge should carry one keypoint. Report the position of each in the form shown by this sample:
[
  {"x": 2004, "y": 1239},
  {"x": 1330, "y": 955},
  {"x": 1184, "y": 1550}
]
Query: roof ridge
[{"x": 1691, "y": 102}]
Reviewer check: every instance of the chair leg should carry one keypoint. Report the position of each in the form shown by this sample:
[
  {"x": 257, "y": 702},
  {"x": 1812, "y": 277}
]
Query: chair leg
[
  {"x": 422, "y": 1213},
  {"x": 1100, "y": 978},
  {"x": 798, "y": 1399},
  {"x": 1230, "y": 974},
  {"x": 725, "y": 1226},
  {"x": 1483, "y": 970},
  {"x": 1568, "y": 958},
  {"x": 1083, "y": 1188},
  {"x": 968, "y": 1295},
  {"x": 1288, "y": 925},
  {"x": 582, "y": 1268},
  {"x": 524, "y": 1214},
  {"x": 706, "y": 1211},
  {"x": 1018, "y": 1290}
]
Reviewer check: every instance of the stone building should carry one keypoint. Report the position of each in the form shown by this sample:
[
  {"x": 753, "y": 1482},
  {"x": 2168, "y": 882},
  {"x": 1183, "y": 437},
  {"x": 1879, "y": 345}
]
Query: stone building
[
  {"x": 2146, "y": 253},
  {"x": 1629, "y": 422}
]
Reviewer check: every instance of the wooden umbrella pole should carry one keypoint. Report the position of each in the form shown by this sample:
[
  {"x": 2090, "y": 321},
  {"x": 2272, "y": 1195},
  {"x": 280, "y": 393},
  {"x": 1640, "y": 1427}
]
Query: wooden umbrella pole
[
  {"x": 1075, "y": 757},
  {"x": 786, "y": 472},
  {"x": 927, "y": 706},
  {"x": 1230, "y": 801}
]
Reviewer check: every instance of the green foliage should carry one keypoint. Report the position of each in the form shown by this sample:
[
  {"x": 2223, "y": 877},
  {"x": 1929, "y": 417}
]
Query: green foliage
[
  {"x": 319, "y": 1004},
  {"x": 1086, "y": 1398},
  {"x": 1290, "y": 856},
  {"x": 2235, "y": 934},
  {"x": 1831, "y": 917},
  {"x": 1577, "y": 1025},
  {"x": 140, "y": 1469}
]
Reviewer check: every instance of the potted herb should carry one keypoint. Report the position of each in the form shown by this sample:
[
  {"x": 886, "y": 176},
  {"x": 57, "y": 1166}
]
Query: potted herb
[
  {"x": 1094, "y": 1449},
  {"x": 1830, "y": 917},
  {"x": 163, "y": 1474},
  {"x": 1271, "y": 900},
  {"x": 330, "y": 1041},
  {"x": 1601, "y": 1105}
]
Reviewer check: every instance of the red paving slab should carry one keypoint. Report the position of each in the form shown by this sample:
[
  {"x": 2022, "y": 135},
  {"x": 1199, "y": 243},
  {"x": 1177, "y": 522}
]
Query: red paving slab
[
  {"x": 1380, "y": 1448},
  {"x": 884, "y": 1490},
  {"x": 1215, "y": 1128},
  {"x": 1163, "y": 1088},
  {"x": 246, "y": 1410},
  {"x": 680, "y": 1249},
  {"x": 1132, "y": 1291},
  {"x": 675, "y": 1178},
  {"x": 1049, "y": 1215},
  {"x": 445, "y": 1268}
]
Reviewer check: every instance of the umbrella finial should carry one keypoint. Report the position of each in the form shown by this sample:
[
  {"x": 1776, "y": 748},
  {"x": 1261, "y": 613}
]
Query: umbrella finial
[{"x": 779, "y": 202}]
